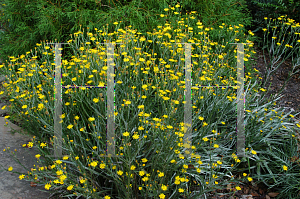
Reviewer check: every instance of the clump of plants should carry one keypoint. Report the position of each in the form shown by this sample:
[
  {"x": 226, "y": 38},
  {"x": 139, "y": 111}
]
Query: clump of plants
[
  {"x": 281, "y": 42},
  {"x": 149, "y": 111}
]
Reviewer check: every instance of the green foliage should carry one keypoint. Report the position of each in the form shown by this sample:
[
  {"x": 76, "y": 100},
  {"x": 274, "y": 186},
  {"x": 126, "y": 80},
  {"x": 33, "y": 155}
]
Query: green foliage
[
  {"x": 271, "y": 9},
  {"x": 26, "y": 23}
]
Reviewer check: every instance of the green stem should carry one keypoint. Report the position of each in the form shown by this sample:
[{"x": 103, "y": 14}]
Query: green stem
[{"x": 248, "y": 165}]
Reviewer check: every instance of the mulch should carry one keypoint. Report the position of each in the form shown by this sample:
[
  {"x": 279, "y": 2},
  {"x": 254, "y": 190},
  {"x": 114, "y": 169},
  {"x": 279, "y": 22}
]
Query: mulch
[{"x": 291, "y": 91}]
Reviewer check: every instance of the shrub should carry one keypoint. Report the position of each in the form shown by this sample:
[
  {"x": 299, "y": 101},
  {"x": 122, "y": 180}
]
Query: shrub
[{"x": 31, "y": 22}]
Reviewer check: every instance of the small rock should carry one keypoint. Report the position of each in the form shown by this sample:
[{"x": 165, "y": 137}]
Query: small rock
[
  {"x": 247, "y": 197},
  {"x": 273, "y": 194}
]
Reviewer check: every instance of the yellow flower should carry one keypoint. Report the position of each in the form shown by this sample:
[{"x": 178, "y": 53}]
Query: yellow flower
[
  {"x": 43, "y": 145},
  {"x": 70, "y": 187},
  {"x": 58, "y": 162},
  {"x": 106, "y": 197},
  {"x": 177, "y": 182},
  {"x": 262, "y": 89},
  {"x": 216, "y": 145},
  {"x": 91, "y": 119},
  {"x": 132, "y": 167},
  {"x": 254, "y": 152},
  {"x": 180, "y": 190},
  {"x": 238, "y": 188},
  {"x": 162, "y": 196},
  {"x": 285, "y": 167},
  {"x": 141, "y": 106},
  {"x": 94, "y": 163},
  {"x": 141, "y": 173},
  {"x": 21, "y": 176},
  {"x": 162, "y": 15},
  {"x": 47, "y": 186},
  {"x": 41, "y": 106},
  {"x": 59, "y": 172},
  {"x": 250, "y": 179},
  {"x": 166, "y": 9},
  {"x": 264, "y": 29},
  {"x": 135, "y": 136},
  {"x": 37, "y": 156},
  {"x": 201, "y": 118},
  {"x": 144, "y": 160},
  {"x": 70, "y": 126},
  {"x": 161, "y": 174},
  {"x": 244, "y": 174},
  {"x": 251, "y": 33},
  {"x": 164, "y": 187},
  {"x": 30, "y": 144},
  {"x": 102, "y": 166},
  {"x": 95, "y": 100},
  {"x": 145, "y": 179},
  {"x": 126, "y": 134},
  {"x": 120, "y": 172},
  {"x": 205, "y": 139},
  {"x": 65, "y": 157},
  {"x": 24, "y": 106}
]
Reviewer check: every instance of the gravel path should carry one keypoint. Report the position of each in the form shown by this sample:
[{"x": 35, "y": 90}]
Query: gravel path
[{"x": 11, "y": 187}]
